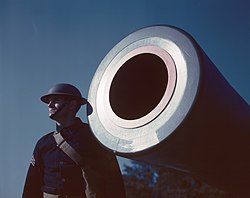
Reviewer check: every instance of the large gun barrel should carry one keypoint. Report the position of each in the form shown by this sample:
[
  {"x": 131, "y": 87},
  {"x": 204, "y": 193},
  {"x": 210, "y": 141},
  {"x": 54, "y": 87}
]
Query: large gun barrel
[{"x": 158, "y": 98}]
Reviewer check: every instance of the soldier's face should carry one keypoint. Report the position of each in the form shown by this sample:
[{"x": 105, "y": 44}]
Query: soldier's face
[{"x": 56, "y": 106}]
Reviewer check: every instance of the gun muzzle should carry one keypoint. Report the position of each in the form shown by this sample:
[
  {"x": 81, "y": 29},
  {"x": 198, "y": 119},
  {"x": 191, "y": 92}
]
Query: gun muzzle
[{"x": 158, "y": 98}]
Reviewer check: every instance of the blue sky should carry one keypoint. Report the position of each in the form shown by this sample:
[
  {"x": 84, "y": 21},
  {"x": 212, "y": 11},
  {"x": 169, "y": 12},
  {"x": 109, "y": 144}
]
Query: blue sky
[{"x": 44, "y": 42}]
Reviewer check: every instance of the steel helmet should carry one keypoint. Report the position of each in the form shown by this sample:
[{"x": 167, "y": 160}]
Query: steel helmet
[{"x": 64, "y": 89}]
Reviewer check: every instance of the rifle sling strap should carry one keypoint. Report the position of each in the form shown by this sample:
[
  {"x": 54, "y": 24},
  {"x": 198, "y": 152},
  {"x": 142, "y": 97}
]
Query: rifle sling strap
[
  {"x": 66, "y": 148},
  {"x": 90, "y": 185}
]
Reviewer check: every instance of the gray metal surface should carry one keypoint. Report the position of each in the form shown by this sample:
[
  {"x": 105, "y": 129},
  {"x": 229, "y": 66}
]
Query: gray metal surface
[
  {"x": 132, "y": 135},
  {"x": 157, "y": 97}
]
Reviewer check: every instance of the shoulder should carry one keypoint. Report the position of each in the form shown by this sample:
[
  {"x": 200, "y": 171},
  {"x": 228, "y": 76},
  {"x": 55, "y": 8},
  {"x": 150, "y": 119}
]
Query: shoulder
[
  {"x": 83, "y": 128},
  {"x": 45, "y": 137},
  {"x": 82, "y": 124},
  {"x": 45, "y": 140}
]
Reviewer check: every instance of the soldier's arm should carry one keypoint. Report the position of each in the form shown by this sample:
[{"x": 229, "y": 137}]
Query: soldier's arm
[{"x": 33, "y": 183}]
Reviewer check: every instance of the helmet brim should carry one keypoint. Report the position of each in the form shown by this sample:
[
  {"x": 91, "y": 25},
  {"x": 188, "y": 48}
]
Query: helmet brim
[{"x": 46, "y": 98}]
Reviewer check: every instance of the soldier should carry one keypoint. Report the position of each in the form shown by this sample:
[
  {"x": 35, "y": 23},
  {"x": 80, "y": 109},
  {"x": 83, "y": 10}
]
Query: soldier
[{"x": 69, "y": 162}]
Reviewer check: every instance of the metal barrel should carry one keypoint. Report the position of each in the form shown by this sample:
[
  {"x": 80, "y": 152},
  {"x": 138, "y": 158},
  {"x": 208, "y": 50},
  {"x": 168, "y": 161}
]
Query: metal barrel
[{"x": 158, "y": 98}]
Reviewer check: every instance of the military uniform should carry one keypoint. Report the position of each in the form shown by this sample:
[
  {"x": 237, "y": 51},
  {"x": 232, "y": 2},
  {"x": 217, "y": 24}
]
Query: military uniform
[{"x": 52, "y": 171}]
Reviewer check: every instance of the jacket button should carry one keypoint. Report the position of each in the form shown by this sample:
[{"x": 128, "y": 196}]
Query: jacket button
[{"x": 63, "y": 180}]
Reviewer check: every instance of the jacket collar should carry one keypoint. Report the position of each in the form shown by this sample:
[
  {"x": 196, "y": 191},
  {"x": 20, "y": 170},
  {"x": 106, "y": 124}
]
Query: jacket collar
[{"x": 72, "y": 127}]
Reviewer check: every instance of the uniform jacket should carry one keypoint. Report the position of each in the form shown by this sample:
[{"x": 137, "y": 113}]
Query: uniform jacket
[{"x": 52, "y": 171}]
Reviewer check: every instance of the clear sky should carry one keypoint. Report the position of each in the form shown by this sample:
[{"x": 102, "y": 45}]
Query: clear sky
[{"x": 44, "y": 42}]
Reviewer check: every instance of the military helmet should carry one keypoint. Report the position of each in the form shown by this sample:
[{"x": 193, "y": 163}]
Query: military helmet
[{"x": 64, "y": 89}]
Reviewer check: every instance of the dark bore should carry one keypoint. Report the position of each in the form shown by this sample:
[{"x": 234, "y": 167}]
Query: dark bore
[{"x": 138, "y": 86}]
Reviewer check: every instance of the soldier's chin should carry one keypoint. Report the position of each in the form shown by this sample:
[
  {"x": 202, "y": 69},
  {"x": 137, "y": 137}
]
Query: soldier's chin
[{"x": 52, "y": 115}]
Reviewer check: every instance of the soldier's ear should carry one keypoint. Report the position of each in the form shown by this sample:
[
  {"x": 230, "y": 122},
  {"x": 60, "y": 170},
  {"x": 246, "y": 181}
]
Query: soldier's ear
[{"x": 73, "y": 104}]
